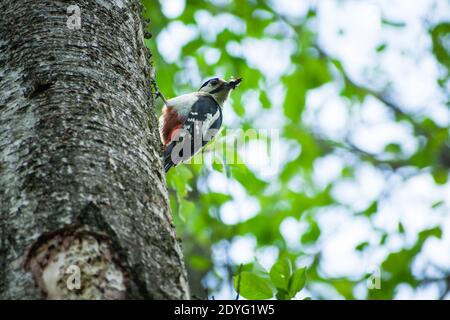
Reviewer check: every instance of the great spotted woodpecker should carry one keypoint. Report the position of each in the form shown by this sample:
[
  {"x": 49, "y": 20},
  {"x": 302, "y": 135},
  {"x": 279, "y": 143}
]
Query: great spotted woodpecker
[{"x": 188, "y": 122}]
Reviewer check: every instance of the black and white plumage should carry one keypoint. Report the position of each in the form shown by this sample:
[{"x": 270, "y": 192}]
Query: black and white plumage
[
  {"x": 201, "y": 125},
  {"x": 188, "y": 122}
]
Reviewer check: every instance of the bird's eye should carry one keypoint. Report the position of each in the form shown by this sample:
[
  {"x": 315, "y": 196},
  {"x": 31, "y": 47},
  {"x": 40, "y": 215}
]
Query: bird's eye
[{"x": 213, "y": 83}]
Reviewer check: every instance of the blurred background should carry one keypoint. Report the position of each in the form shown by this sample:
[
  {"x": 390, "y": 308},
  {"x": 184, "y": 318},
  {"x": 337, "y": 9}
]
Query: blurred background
[{"x": 358, "y": 91}]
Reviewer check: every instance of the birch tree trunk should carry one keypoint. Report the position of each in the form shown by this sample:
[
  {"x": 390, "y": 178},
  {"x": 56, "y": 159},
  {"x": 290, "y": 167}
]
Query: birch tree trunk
[{"x": 84, "y": 209}]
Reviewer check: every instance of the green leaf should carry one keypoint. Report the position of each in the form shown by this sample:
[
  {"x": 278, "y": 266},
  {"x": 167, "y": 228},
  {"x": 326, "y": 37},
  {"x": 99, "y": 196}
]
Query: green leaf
[
  {"x": 383, "y": 238},
  {"x": 401, "y": 228},
  {"x": 282, "y": 295},
  {"x": 393, "y": 148},
  {"x": 373, "y": 208},
  {"x": 440, "y": 36},
  {"x": 440, "y": 175},
  {"x": 252, "y": 287},
  {"x": 260, "y": 270},
  {"x": 433, "y": 232},
  {"x": 344, "y": 287},
  {"x": 265, "y": 102},
  {"x": 218, "y": 166},
  {"x": 394, "y": 24},
  {"x": 437, "y": 204},
  {"x": 280, "y": 273},
  {"x": 297, "y": 281},
  {"x": 381, "y": 47},
  {"x": 312, "y": 234},
  {"x": 362, "y": 246}
]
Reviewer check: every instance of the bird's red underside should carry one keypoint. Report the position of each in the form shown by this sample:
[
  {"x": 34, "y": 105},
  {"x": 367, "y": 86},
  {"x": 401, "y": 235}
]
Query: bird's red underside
[{"x": 172, "y": 123}]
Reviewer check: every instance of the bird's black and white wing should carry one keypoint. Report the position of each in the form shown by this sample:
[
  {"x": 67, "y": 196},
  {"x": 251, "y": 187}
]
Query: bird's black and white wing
[{"x": 201, "y": 125}]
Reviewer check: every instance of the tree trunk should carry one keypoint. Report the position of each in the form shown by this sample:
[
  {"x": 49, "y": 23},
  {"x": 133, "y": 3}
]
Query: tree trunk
[{"x": 84, "y": 209}]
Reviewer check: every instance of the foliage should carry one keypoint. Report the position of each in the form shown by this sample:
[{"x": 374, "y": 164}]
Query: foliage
[
  {"x": 203, "y": 196},
  {"x": 281, "y": 280}
]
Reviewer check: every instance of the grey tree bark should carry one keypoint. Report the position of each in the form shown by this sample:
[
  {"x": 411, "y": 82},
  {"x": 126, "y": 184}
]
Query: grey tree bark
[{"x": 84, "y": 209}]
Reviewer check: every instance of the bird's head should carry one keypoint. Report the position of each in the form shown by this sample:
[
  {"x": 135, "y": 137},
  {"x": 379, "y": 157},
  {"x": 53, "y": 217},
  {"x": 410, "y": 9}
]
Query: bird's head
[{"x": 219, "y": 88}]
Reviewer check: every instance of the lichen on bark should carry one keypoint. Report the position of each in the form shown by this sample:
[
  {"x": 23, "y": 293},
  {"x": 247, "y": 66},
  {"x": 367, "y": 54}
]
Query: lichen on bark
[{"x": 79, "y": 145}]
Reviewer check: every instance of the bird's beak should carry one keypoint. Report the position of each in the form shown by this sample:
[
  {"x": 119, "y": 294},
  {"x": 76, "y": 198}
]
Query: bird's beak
[{"x": 234, "y": 83}]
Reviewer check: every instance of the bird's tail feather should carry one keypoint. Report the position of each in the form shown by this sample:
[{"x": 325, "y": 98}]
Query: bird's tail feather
[
  {"x": 168, "y": 163},
  {"x": 167, "y": 166}
]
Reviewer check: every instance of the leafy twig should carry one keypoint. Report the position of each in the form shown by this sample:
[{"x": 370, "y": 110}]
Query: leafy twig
[{"x": 398, "y": 111}]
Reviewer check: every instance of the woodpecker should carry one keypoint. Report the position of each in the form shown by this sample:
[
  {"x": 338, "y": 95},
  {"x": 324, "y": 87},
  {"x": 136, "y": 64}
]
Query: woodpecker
[{"x": 188, "y": 122}]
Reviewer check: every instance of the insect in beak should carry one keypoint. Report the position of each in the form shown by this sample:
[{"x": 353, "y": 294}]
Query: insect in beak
[{"x": 234, "y": 83}]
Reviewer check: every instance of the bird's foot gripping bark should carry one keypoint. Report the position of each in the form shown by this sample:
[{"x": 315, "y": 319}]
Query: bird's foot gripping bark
[{"x": 156, "y": 92}]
